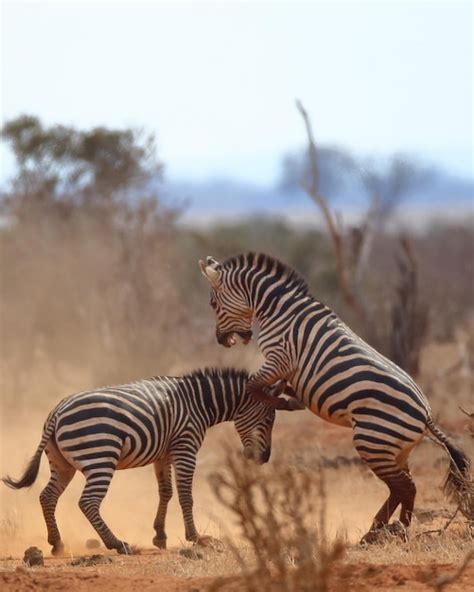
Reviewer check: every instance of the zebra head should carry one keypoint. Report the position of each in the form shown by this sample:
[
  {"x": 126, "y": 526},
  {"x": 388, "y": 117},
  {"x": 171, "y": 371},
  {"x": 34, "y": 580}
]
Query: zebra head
[
  {"x": 234, "y": 313},
  {"x": 255, "y": 420},
  {"x": 254, "y": 425}
]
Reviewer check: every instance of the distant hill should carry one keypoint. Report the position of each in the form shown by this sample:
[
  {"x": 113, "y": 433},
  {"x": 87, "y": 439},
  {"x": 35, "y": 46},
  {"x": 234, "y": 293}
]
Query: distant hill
[{"x": 439, "y": 193}]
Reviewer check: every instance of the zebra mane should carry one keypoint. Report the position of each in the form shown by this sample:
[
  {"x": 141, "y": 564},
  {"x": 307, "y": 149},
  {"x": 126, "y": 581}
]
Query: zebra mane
[
  {"x": 203, "y": 373},
  {"x": 263, "y": 261}
]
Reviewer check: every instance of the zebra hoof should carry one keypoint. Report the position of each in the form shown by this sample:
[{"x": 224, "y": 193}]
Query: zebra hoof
[
  {"x": 160, "y": 543},
  {"x": 124, "y": 549},
  {"x": 57, "y": 550},
  {"x": 372, "y": 537}
]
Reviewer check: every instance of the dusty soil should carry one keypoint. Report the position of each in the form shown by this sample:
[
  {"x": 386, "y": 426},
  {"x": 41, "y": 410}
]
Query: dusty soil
[{"x": 142, "y": 573}]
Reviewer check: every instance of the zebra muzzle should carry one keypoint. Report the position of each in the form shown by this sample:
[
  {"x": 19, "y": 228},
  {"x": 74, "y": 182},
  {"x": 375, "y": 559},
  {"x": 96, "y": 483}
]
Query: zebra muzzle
[
  {"x": 246, "y": 336},
  {"x": 256, "y": 456},
  {"x": 228, "y": 339}
]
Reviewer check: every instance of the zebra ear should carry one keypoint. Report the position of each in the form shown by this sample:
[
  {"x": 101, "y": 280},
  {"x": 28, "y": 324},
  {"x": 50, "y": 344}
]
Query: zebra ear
[
  {"x": 212, "y": 262},
  {"x": 210, "y": 271}
]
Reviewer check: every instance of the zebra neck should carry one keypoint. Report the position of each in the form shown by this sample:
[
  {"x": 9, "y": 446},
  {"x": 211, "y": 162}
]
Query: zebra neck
[
  {"x": 221, "y": 400},
  {"x": 281, "y": 305}
]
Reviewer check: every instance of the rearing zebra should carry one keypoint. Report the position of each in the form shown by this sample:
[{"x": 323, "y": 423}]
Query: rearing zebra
[
  {"x": 333, "y": 372},
  {"x": 162, "y": 421}
]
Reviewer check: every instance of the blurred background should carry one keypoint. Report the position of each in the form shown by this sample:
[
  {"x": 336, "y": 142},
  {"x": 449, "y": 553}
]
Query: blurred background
[{"x": 137, "y": 138}]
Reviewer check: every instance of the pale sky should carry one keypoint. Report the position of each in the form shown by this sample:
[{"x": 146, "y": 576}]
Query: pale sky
[{"x": 217, "y": 81}]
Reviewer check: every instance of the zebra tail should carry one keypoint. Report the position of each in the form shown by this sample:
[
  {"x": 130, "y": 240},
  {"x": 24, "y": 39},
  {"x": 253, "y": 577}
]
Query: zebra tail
[
  {"x": 31, "y": 471},
  {"x": 458, "y": 484}
]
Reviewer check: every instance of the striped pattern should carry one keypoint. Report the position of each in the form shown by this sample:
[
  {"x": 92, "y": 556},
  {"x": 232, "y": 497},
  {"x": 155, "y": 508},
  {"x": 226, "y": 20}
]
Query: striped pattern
[
  {"x": 332, "y": 371},
  {"x": 162, "y": 421}
]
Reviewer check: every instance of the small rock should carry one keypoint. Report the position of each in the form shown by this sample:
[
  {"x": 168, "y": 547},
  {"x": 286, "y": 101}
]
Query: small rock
[
  {"x": 92, "y": 544},
  {"x": 191, "y": 554},
  {"x": 33, "y": 556}
]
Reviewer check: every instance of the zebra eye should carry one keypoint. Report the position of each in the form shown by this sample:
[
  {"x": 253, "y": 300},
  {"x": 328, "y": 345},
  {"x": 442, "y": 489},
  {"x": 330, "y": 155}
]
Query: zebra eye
[{"x": 213, "y": 303}]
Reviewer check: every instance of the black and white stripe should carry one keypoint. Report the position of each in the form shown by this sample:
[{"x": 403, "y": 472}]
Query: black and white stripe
[
  {"x": 332, "y": 371},
  {"x": 162, "y": 421}
]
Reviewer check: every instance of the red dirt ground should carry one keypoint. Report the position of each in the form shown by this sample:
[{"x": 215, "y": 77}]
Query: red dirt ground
[{"x": 361, "y": 577}]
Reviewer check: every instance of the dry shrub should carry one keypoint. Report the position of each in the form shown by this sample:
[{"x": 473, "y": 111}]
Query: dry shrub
[
  {"x": 282, "y": 517},
  {"x": 465, "y": 497}
]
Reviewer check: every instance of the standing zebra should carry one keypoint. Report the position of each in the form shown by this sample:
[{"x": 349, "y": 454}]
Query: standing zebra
[
  {"x": 333, "y": 372},
  {"x": 162, "y": 421}
]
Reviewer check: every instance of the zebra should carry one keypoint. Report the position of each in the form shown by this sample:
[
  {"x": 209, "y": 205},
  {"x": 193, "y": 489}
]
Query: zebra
[
  {"x": 331, "y": 370},
  {"x": 160, "y": 421}
]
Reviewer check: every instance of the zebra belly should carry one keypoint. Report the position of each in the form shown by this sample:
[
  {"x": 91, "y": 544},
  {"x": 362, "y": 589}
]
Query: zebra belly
[
  {"x": 122, "y": 450},
  {"x": 129, "y": 460},
  {"x": 375, "y": 417},
  {"x": 342, "y": 417}
]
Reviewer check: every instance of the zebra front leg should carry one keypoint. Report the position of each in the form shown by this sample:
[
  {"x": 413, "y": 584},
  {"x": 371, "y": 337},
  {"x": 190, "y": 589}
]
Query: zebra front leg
[
  {"x": 165, "y": 488},
  {"x": 275, "y": 369},
  {"x": 61, "y": 476},
  {"x": 184, "y": 465},
  {"x": 97, "y": 484}
]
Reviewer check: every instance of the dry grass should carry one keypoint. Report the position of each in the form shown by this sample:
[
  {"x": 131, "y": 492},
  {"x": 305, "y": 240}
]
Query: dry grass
[
  {"x": 422, "y": 547},
  {"x": 282, "y": 518}
]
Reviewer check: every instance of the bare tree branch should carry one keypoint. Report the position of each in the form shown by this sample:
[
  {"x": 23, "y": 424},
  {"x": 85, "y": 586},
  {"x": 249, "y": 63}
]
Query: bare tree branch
[{"x": 312, "y": 188}]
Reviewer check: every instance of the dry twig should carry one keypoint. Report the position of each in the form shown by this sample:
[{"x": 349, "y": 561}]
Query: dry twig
[
  {"x": 439, "y": 531},
  {"x": 446, "y": 579},
  {"x": 471, "y": 417}
]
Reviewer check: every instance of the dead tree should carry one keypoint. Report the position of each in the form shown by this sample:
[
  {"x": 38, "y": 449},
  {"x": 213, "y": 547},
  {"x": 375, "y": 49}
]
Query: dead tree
[
  {"x": 385, "y": 191},
  {"x": 352, "y": 253},
  {"x": 409, "y": 317}
]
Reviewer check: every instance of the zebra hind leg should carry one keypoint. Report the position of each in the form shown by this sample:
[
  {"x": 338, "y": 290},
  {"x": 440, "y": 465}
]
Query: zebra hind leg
[
  {"x": 61, "y": 476},
  {"x": 387, "y": 460},
  {"x": 165, "y": 488},
  {"x": 408, "y": 499},
  {"x": 402, "y": 491},
  {"x": 97, "y": 483}
]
